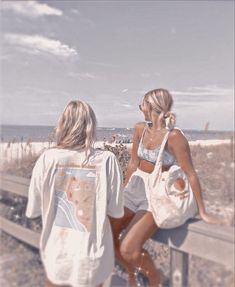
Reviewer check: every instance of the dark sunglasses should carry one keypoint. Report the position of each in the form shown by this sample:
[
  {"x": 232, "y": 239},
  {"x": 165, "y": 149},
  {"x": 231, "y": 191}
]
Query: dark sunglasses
[{"x": 140, "y": 108}]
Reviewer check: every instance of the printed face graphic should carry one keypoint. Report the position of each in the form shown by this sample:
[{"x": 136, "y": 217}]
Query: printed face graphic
[{"x": 75, "y": 197}]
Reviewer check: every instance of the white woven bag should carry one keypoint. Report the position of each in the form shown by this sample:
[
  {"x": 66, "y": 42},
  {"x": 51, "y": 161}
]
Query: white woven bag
[{"x": 170, "y": 206}]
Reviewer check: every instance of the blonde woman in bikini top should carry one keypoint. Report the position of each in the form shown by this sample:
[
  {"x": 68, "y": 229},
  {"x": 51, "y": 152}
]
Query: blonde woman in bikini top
[{"x": 138, "y": 223}]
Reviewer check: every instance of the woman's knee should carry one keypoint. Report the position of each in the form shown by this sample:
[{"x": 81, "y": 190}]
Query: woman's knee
[{"x": 129, "y": 251}]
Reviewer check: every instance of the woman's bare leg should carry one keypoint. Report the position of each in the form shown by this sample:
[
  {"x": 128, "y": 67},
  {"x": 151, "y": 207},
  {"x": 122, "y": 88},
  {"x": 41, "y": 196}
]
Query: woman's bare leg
[
  {"x": 117, "y": 227},
  {"x": 48, "y": 283},
  {"x": 141, "y": 228}
]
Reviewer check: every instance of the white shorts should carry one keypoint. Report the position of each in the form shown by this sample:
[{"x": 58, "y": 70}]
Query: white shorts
[{"x": 136, "y": 192}]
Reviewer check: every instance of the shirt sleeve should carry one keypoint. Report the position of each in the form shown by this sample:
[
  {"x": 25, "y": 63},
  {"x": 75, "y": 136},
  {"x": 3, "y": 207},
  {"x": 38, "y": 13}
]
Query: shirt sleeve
[
  {"x": 115, "y": 194},
  {"x": 33, "y": 208}
]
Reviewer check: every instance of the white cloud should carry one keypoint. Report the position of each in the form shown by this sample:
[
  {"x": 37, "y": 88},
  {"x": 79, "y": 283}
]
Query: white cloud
[
  {"x": 32, "y": 9},
  {"x": 205, "y": 91},
  {"x": 124, "y": 90},
  {"x": 75, "y": 11},
  {"x": 38, "y": 44},
  {"x": 84, "y": 75},
  {"x": 128, "y": 106}
]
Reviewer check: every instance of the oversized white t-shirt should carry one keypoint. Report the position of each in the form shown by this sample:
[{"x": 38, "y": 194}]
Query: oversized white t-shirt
[{"x": 76, "y": 243}]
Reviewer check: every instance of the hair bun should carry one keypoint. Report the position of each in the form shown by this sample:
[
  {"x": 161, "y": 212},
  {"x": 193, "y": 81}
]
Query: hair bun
[
  {"x": 170, "y": 119},
  {"x": 167, "y": 115}
]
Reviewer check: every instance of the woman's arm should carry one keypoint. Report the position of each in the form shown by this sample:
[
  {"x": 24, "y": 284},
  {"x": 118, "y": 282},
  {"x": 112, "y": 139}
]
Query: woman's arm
[
  {"x": 179, "y": 146},
  {"x": 134, "y": 160}
]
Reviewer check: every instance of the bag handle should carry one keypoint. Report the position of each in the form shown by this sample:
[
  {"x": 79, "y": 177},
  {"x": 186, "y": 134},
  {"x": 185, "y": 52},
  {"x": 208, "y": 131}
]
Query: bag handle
[
  {"x": 157, "y": 167},
  {"x": 159, "y": 158}
]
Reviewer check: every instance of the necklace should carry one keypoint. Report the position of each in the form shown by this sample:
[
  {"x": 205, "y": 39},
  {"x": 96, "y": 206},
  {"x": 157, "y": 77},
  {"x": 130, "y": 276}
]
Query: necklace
[{"x": 151, "y": 138}]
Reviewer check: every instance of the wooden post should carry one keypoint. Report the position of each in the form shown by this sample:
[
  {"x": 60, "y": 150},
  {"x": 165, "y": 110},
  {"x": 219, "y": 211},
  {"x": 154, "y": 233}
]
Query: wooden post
[
  {"x": 232, "y": 146},
  {"x": 179, "y": 268}
]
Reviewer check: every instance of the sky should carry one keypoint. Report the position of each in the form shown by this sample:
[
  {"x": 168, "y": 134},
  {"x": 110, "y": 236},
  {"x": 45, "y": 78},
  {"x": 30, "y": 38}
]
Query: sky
[{"x": 110, "y": 53}]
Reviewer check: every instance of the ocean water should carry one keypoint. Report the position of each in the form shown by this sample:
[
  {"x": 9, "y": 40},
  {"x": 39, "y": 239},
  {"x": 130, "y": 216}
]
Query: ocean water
[{"x": 45, "y": 133}]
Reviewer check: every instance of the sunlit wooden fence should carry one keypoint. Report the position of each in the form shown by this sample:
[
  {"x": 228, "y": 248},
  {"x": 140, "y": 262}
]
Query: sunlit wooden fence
[{"x": 211, "y": 242}]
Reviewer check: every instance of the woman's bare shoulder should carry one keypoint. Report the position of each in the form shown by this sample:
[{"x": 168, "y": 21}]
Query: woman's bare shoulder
[
  {"x": 139, "y": 127},
  {"x": 176, "y": 136}
]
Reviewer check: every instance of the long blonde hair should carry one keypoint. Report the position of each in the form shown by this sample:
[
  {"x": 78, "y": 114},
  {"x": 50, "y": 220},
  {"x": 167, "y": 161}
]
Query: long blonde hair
[
  {"x": 76, "y": 128},
  {"x": 161, "y": 102}
]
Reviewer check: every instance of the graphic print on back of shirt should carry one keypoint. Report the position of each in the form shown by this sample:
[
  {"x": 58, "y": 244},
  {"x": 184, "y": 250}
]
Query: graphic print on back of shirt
[{"x": 75, "y": 196}]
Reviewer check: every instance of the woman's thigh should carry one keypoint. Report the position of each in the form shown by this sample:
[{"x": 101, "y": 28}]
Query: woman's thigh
[
  {"x": 120, "y": 224},
  {"x": 141, "y": 227}
]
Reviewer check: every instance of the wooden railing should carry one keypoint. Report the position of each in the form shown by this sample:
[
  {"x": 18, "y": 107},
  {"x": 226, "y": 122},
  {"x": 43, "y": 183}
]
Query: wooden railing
[{"x": 211, "y": 242}]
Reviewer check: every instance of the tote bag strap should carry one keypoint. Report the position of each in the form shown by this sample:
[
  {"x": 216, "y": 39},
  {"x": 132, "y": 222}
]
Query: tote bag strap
[
  {"x": 158, "y": 166},
  {"x": 159, "y": 158}
]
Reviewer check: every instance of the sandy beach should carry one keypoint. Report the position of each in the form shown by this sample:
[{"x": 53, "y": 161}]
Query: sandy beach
[{"x": 18, "y": 150}]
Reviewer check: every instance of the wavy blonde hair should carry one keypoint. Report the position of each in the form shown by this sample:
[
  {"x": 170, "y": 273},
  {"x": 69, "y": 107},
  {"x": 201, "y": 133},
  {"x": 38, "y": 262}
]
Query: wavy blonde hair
[
  {"x": 161, "y": 102},
  {"x": 76, "y": 128}
]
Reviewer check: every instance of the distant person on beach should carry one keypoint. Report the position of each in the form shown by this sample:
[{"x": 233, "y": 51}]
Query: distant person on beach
[
  {"x": 113, "y": 139},
  {"x": 77, "y": 190},
  {"x": 138, "y": 225}
]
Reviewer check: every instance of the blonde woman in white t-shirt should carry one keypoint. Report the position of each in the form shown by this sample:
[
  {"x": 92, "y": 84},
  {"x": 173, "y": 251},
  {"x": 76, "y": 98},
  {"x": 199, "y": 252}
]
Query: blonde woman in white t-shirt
[{"x": 77, "y": 191}]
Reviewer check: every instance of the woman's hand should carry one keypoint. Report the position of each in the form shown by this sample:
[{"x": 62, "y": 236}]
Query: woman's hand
[{"x": 208, "y": 218}]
